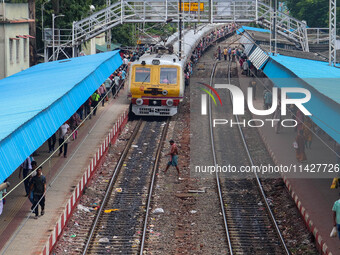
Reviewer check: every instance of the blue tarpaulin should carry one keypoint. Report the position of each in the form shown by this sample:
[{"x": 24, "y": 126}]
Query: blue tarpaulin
[{"x": 37, "y": 101}]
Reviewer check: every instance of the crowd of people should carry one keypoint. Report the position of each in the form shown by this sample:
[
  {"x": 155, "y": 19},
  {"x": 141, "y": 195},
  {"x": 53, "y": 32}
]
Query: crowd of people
[{"x": 34, "y": 180}]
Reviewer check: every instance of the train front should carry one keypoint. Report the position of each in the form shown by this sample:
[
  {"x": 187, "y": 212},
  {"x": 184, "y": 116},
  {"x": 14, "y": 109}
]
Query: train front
[{"x": 156, "y": 86}]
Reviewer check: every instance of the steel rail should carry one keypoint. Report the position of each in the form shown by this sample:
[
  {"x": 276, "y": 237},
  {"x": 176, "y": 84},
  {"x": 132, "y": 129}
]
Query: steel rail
[
  {"x": 215, "y": 163},
  {"x": 258, "y": 182},
  {"x": 112, "y": 182},
  {"x": 154, "y": 171}
]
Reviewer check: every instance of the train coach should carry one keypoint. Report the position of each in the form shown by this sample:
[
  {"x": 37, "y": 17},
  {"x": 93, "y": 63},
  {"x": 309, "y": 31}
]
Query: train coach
[{"x": 156, "y": 80}]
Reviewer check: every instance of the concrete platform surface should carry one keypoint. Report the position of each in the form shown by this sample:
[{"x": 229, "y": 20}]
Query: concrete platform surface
[{"x": 312, "y": 194}]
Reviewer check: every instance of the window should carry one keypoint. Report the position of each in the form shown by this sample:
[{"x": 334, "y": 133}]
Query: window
[
  {"x": 25, "y": 49},
  {"x": 17, "y": 51},
  {"x": 142, "y": 74},
  {"x": 11, "y": 51},
  {"x": 168, "y": 75}
]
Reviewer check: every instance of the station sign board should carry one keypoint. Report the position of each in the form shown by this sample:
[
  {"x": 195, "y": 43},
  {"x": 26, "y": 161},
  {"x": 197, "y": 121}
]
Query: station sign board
[{"x": 192, "y": 7}]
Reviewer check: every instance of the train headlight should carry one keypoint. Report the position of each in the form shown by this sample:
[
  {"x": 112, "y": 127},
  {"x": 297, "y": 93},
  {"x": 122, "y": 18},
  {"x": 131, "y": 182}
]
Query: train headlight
[
  {"x": 139, "y": 101},
  {"x": 169, "y": 102},
  {"x": 164, "y": 92}
]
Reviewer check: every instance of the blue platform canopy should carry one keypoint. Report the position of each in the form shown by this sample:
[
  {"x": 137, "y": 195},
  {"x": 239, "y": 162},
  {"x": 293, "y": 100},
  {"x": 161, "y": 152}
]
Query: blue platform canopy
[
  {"x": 322, "y": 80},
  {"x": 37, "y": 101}
]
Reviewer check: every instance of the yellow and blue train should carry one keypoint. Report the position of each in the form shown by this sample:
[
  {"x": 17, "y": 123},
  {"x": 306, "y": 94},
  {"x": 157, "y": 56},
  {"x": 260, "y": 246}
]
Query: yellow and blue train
[{"x": 157, "y": 80}]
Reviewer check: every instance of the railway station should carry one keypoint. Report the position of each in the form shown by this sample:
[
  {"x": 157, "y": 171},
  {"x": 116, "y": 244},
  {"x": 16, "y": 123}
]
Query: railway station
[{"x": 218, "y": 134}]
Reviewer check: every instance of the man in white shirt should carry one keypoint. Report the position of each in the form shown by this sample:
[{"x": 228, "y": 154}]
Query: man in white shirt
[{"x": 62, "y": 132}]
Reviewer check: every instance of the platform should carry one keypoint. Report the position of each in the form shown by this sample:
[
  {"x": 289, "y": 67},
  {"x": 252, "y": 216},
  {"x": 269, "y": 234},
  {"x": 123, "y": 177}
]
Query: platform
[
  {"x": 20, "y": 234},
  {"x": 313, "y": 196}
]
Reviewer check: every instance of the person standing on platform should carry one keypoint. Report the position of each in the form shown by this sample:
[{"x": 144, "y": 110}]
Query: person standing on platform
[
  {"x": 116, "y": 80},
  {"x": 173, "y": 157},
  {"x": 308, "y": 132},
  {"x": 107, "y": 84},
  {"x": 51, "y": 143},
  {"x": 87, "y": 107},
  {"x": 95, "y": 99},
  {"x": 62, "y": 135},
  {"x": 102, "y": 91},
  {"x": 336, "y": 215},
  {"x": 219, "y": 53},
  {"x": 2, "y": 200},
  {"x": 267, "y": 99},
  {"x": 38, "y": 187},
  {"x": 225, "y": 54},
  {"x": 74, "y": 123},
  {"x": 300, "y": 150},
  {"x": 26, "y": 168}
]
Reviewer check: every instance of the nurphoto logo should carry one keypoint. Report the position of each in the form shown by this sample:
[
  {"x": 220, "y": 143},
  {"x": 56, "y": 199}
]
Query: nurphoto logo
[{"x": 238, "y": 104}]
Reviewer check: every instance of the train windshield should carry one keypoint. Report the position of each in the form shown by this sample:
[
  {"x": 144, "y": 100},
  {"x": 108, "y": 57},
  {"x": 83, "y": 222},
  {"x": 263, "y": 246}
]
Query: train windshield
[
  {"x": 142, "y": 74},
  {"x": 168, "y": 75}
]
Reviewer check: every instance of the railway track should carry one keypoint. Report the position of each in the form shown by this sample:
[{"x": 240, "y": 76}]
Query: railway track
[
  {"x": 249, "y": 223},
  {"x": 120, "y": 225}
]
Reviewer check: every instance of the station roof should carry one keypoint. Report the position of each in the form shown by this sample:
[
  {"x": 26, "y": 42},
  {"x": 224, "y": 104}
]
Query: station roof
[
  {"x": 318, "y": 74},
  {"x": 320, "y": 79},
  {"x": 40, "y": 99}
]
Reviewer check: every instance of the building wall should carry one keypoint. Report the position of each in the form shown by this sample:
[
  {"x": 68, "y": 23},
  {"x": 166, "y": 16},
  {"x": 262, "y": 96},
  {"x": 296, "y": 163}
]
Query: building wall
[
  {"x": 16, "y": 11},
  {"x": 14, "y": 54},
  {"x": 89, "y": 47},
  {"x": 2, "y": 53}
]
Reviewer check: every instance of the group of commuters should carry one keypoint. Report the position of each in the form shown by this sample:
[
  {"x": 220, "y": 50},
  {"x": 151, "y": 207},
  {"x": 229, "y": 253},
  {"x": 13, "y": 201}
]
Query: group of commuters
[{"x": 34, "y": 180}]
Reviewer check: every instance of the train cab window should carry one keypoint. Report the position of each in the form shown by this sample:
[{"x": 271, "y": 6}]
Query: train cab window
[
  {"x": 142, "y": 74},
  {"x": 168, "y": 75}
]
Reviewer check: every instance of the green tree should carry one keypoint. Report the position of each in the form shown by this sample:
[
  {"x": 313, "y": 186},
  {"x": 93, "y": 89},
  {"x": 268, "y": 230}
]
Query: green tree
[{"x": 314, "y": 12}]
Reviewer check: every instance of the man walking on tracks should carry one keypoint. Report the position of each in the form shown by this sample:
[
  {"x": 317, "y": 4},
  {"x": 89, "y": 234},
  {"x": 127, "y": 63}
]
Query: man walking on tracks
[{"x": 173, "y": 157}]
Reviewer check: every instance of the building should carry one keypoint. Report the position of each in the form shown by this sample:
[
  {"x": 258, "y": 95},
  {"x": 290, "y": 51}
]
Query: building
[{"x": 14, "y": 38}]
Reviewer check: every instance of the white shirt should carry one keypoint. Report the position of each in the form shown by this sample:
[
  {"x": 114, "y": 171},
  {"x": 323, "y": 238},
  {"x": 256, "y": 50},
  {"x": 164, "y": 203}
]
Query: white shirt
[
  {"x": 63, "y": 129},
  {"x": 125, "y": 61}
]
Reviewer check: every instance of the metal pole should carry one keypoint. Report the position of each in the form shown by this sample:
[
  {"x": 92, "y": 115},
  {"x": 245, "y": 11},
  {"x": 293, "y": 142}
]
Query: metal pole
[
  {"x": 256, "y": 12},
  {"x": 332, "y": 32},
  {"x": 180, "y": 31},
  {"x": 53, "y": 36}
]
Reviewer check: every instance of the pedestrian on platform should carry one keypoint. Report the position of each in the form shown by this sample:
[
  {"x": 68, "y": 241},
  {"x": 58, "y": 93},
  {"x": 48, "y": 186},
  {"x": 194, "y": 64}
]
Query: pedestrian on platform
[
  {"x": 26, "y": 168},
  {"x": 101, "y": 92},
  {"x": 34, "y": 173},
  {"x": 2, "y": 200},
  {"x": 219, "y": 53},
  {"x": 173, "y": 157},
  {"x": 267, "y": 99},
  {"x": 51, "y": 143},
  {"x": 74, "y": 123},
  {"x": 38, "y": 187},
  {"x": 300, "y": 150},
  {"x": 95, "y": 99},
  {"x": 336, "y": 215},
  {"x": 87, "y": 107},
  {"x": 229, "y": 53},
  {"x": 225, "y": 53},
  {"x": 308, "y": 130},
  {"x": 107, "y": 84},
  {"x": 299, "y": 119},
  {"x": 65, "y": 128},
  {"x": 117, "y": 83}
]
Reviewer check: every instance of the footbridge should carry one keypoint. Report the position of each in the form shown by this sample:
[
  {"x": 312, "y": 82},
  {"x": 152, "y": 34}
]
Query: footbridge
[{"x": 164, "y": 11}]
